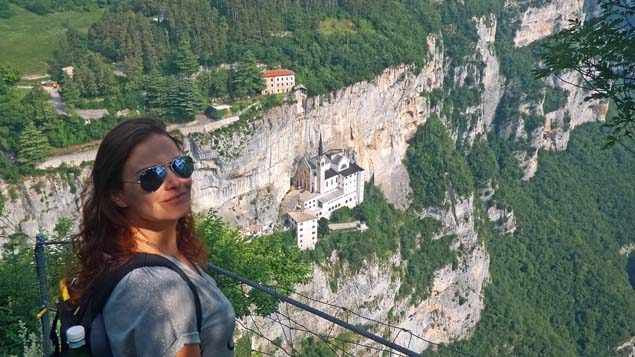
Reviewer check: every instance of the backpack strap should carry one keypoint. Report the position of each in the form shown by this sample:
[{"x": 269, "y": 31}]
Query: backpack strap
[{"x": 105, "y": 286}]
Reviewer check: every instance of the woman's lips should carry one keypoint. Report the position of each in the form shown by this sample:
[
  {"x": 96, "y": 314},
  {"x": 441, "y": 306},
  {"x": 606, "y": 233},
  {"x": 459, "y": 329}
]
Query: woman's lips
[{"x": 177, "y": 198}]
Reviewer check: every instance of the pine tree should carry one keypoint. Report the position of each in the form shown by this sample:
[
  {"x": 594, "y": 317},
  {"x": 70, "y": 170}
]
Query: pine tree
[
  {"x": 184, "y": 59},
  {"x": 70, "y": 91},
  {"x": 247, "y": 80},
  {"x": 184, "y": 100},
  {"x": 157, "y": 94},
  {"x": 37, "y": 107},
  {"x": 33, "y": 146}
]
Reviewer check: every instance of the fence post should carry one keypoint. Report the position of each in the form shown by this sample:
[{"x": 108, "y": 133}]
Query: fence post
[{"x": 40, "y": 266}]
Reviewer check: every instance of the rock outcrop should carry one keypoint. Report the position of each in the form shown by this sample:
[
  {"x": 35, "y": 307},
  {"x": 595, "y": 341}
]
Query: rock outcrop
[
  {"x": 375, "y": 119},
  {"x": 450, "y": 312},
  {"x": 539, "y": 22}
]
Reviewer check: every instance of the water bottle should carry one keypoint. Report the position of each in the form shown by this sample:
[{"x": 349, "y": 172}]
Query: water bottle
[{"x": 76, "y": 338}]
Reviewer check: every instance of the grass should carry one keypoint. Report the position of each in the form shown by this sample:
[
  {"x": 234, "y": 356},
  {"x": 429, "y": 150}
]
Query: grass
[
  {"x": 332, "y": 26},
  {"x": 28, "y": 40}
]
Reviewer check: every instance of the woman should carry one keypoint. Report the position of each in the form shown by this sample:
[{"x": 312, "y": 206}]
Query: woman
[{"x": 139, "y": 201}]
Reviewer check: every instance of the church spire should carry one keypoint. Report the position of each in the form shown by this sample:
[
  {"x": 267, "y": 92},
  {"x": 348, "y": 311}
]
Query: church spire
[{"x": 320, "y": 148}]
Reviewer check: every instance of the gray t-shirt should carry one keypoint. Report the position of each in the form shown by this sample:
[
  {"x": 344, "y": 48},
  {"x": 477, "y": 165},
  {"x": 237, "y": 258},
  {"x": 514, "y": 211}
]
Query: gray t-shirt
[{"x": 151, "y": 313}]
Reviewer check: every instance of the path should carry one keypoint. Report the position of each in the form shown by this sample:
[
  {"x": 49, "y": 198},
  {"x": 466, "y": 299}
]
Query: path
[
  {"x": 33, "y": 77},
  {"x": 199, "y": 125},
  {"x": 355, "y": 225},
  {"x": 56, "y": 100}
]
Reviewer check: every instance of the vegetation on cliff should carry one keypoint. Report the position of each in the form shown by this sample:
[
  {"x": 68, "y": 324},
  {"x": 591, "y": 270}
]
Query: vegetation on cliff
[{"x": 559, "y": 285}]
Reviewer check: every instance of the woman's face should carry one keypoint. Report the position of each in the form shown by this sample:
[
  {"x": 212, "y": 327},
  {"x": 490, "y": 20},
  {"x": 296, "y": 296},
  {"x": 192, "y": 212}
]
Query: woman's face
[{"x": 169, "y": 202}]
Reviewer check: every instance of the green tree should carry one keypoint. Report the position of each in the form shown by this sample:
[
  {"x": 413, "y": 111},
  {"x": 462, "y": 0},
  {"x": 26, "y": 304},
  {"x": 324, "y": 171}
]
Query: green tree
[
  {"x": 185, "y": 60},
  {"x": 33, "y": 146},
  {"x": 37, "y": 107},
  {"x": 9, "y": 75},
  {"x": 70, "y": 91},
  {"x": 18, "y": 296},
  {"x": 323, "y": 227},
  {"x": 94, "y": 76},
  {"x": 157, "y": 93},
  {"x": 5, "y": 10},
  {"x": 435, "y": 166},
  {"x": 213, "y": 84},
  {"x": 183, "y": 99},
  {"x": 247, "y": 80},
  {"x": 602, "y": 51},
  {"x": 270, "y": 260},
  {"x": 11, "y": 119}
]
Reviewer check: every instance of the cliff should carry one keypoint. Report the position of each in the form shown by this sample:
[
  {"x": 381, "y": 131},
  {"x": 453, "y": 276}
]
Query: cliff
[
  {"x": 376, "y": 119},
  {"x": 450, "y": 313}
]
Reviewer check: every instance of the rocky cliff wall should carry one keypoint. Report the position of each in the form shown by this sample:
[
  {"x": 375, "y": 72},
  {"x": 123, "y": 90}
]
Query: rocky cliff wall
[
  {"x": 450, "y": 312},
  {"x": 539, "y": 22},
  {"x": 375, "y": 119}
]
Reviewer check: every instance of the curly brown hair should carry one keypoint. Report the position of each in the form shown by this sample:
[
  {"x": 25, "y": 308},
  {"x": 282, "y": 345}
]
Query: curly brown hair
[{"x": 104, "y": 240}]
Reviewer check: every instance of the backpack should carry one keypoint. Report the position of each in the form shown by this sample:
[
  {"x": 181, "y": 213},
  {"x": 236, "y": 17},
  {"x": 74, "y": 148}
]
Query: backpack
[{"x": 88, "y": 312}]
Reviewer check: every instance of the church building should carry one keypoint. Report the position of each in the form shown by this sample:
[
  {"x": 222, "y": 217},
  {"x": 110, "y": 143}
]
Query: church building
[{"x": 327, "y": 182}]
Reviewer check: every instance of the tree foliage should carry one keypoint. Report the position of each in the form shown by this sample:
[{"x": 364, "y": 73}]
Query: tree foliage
[
  {"x": 269, "y": 260},
  {"x": 185, "y": 61},
  {"x": 247, "y": 79},
  {"x": 9, "y": 75},
  {"x": 559, "y": 286},
  {"x": 602, "y": 51},
  {"x": 436, "y": 168},
  {"x": 33, "y": 146}
]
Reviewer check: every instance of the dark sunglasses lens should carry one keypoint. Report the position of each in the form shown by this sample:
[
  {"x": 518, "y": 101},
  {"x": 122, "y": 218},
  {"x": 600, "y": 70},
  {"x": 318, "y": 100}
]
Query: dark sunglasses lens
[
  {"x": 152, "y": 178},
  {"x": 183, "y": 166}
]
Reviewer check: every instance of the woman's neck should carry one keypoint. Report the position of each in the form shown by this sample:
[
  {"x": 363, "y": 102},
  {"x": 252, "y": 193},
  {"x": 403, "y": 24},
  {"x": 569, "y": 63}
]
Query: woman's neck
[{"x": 153, "y": 241}]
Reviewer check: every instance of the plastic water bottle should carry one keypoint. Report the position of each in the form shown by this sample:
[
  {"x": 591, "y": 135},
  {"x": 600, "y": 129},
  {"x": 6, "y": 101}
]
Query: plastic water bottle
[{"x": 76, "y": 338}]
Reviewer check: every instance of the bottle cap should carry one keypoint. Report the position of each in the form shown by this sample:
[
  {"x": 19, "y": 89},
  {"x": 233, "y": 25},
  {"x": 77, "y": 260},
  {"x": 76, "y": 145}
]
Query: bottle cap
[{"x": 75, "y": 334}]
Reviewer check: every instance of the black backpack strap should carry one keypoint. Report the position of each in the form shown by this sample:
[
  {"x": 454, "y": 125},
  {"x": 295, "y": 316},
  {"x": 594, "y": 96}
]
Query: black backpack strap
[
  {"x": 54, "y": 337},
  {"x": 105, "y": 286}
]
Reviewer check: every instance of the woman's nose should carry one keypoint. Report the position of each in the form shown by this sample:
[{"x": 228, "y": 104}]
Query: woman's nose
[{"x": 173, "y": 180}]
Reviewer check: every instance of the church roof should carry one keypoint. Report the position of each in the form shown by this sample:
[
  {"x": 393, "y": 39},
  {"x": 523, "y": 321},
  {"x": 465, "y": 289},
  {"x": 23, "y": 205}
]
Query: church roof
[
  {"x": 330, "y": 173},
  {"x": 352, "y": 168},
  {"x": 312, "y": 163},
  {"x": 336, "y": 159}
]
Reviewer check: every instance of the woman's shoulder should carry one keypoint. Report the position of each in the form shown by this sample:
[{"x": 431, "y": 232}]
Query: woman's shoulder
[{"x": 150, "y": 284}]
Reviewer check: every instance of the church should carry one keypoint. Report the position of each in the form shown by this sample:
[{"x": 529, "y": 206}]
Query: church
[{"x": 326, "y": 182}]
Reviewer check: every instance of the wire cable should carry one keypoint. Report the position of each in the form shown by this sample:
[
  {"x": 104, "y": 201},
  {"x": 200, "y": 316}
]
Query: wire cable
[{"x": 356, "y": 329}]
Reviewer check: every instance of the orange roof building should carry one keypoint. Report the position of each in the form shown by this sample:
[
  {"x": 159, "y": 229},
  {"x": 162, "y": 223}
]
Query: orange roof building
[{"x": 278, "y": 81}]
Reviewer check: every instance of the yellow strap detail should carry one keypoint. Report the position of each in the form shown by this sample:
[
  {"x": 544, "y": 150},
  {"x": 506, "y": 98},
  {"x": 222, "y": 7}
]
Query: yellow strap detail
[
  {"x": 64, "y": 295},
  {"x": 41, "y": 313}
]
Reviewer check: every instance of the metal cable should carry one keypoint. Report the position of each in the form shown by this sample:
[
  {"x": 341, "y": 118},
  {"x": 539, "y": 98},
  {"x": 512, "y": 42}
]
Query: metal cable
[{"x": 356, "y": 329}]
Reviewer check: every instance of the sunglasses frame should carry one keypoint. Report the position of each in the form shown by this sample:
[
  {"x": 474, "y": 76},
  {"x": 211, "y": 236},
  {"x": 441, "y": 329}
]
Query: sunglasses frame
[{"x": 169, "y": 164}]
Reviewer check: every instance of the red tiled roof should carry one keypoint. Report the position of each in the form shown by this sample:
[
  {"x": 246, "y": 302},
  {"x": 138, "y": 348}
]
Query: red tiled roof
[{"x": 278, "y": 73}]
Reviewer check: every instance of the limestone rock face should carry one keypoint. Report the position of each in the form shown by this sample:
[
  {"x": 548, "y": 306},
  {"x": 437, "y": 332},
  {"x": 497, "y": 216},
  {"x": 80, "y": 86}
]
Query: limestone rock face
[
  {"x": 491, "y": 80},
  {"x": 554, "y": 133},
  {"x": 375, "y": 119},
  {"x": 450, "y": 312},
  {"x": 36, "y": 205},
  {"x": 558, "y": 124},
  {"x": 538, "y": 23}
]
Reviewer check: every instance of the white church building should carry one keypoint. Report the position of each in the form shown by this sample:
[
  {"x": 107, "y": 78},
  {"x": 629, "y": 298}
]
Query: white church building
[{"x": 326, "y": 182}]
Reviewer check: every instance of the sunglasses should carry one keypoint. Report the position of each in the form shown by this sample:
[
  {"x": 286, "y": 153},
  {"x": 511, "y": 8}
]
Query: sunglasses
[{"x": 152, "y": 178}]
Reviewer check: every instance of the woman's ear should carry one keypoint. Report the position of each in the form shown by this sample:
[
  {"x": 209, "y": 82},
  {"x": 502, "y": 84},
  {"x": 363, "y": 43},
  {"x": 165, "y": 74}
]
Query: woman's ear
[{"x": 118, "y": 199}]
